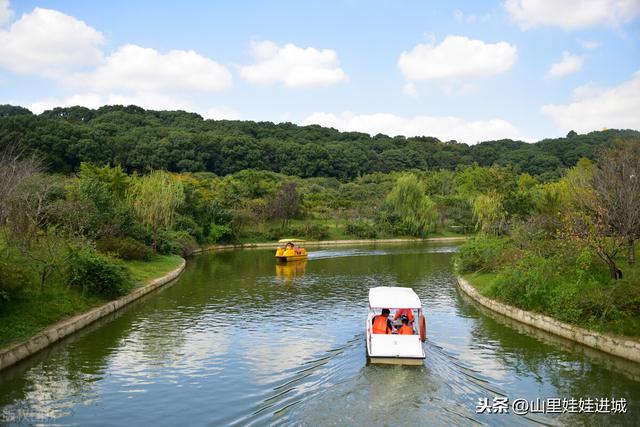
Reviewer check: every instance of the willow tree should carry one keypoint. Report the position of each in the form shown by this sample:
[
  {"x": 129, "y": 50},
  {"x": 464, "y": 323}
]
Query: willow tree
[
  {"x": 409, "y": 203},
  {"x": 489, "y": 213},
  {"x": 154, "y": 199}
]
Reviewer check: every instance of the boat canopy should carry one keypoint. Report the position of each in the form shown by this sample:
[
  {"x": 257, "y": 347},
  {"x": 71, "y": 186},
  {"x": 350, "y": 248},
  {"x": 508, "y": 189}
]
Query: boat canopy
[
  {"x": 290, "y": 240},
  {"x": 393, "y": 297}
]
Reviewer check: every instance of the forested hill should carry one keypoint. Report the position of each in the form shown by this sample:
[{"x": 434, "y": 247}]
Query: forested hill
[{"x": 142, "y": 140}]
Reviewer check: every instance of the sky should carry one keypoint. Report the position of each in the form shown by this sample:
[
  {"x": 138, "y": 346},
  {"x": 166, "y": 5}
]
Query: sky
[{"x": 463, "y": 70}]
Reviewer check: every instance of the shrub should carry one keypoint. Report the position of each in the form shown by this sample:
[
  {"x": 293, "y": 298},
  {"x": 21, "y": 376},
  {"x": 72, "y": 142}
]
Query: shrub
[
  {"x": 124, "y": 248},
  {"x": 528, "y": 284},
  {"x": 274, "y": 233},
  {"x": 362, "y": 229},
  {"x": 310, "y": 231},
  {"x": 220, "y": 233},
  {"x": 13, "y": 277},
  {"x": 188, "y": 224},
  {"x": 176, "y": 242},
  {"x": 130, "y": 227},
  {"x": 482, "y": 253},
  {"x": 315, "y": 231},
  {"x": 97, "y": 274}
]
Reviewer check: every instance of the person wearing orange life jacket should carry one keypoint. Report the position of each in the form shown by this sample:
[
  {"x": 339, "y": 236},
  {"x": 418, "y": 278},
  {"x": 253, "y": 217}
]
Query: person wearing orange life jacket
[
  {"x": 381, "y": 323},
  {"x": 404, "y": 312},
  {"x": 405, "y": 329}
]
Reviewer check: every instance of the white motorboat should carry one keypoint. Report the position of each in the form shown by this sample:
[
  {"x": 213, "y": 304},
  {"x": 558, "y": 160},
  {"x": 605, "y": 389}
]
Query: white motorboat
[{"x": 393, "y": 348}]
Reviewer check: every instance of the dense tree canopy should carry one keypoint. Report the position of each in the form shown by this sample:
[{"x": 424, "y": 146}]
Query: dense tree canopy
[{"x": 177, "y": 141}]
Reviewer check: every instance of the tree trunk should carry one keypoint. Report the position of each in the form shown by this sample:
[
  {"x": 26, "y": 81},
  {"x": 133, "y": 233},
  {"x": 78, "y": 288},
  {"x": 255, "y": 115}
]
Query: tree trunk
[
  {"x": 614, "y": 272},
  {"x": 631, "y": 252}
]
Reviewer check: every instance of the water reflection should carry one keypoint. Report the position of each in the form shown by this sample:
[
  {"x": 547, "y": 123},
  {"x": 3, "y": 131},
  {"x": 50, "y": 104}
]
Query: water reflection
[{"x": 290, "y": 270}]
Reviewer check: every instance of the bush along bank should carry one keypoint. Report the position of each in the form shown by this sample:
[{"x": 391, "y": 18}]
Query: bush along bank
[
  {"x": 55, "y": 332},
  {"x": 555, "y": 279},
  {"x": 80, "y": 279}
]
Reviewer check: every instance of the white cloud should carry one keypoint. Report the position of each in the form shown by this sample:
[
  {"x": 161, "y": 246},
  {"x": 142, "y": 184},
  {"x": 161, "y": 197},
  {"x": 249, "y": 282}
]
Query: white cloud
[
  {"x": 615, "y": 107},
  {"x": 410, "y": 89},
  {"x": 59, "y": 46},
  {"x": 589, "y": 44},
  {"x": 139, "y": 69},
  {"x": 89, "y": 100},
  {"x": 48, "y": 42},
  {"x": 154, "y": 101},
  {"x": 568, "y": 65},
  {"x": 221, "y": 113},
  {"x": 443, "y": 127},
  {"x": 588, "y": 90},
  {"x": 571, "y": 14},
  {"x": 150, "y": 101},
  {"x": 5, "y": 12},
  {"x": 293, "y": 66},
  {"x": 457, "y": 57}
]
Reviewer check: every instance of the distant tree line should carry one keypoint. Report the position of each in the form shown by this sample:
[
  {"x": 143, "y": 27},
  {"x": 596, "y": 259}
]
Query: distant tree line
[{"x": 141, "y": 140}]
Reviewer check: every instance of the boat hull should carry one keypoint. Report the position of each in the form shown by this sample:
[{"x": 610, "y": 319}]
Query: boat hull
[
  {"x": 415, "y": 361},
  {"x": 290, "y": 258}
]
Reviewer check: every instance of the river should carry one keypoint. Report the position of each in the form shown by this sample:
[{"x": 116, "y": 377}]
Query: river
[{"x": 237, "y": 340}]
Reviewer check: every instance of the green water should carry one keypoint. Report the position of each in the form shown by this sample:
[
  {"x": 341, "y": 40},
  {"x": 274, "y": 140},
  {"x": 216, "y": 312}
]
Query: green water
[{"x": 238, "y": 340}]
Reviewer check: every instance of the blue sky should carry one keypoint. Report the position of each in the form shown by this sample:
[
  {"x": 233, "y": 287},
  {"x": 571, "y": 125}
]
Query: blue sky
[{"x": 465, "y": 70}]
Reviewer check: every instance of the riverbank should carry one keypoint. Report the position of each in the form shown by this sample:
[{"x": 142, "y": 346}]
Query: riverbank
[
  {"x": 620, "y": 346},
  {"x": 557, "y": 278},
  {"x": 66, "y": 311},
  {"x": 332, "y": 243}
]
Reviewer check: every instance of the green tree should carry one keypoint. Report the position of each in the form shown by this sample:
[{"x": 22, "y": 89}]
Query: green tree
[
  {"x": 410, "y": 205},
  {"x": 488, "y": 210},
  {"x": 154, "y": 199},
  {"x": 114, "y": 177}
]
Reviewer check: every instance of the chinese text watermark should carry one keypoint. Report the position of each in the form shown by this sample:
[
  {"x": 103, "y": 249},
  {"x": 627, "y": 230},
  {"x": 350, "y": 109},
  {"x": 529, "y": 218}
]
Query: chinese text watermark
[{"x": 551, "y": 405}]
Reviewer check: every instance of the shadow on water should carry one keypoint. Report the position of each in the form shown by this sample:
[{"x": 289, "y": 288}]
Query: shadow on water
[{"x": 238, "y": 340}]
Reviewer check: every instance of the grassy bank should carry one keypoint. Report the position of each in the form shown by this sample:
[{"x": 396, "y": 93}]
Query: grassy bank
[
  {"x": 144, "y": 271},
  {"x": 556, "y": 281},
  {"x": 32, "y": 310}
]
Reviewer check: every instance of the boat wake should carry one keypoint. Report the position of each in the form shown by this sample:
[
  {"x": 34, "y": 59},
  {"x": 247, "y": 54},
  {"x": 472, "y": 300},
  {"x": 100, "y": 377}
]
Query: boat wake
[
  {"x": 357, "y": 252},
  {"x": 302, "y": 384}
]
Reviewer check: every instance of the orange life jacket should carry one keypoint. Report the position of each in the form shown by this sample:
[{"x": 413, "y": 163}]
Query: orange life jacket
[
  {"x": 380, "y": 325},
  {"x": 405, "y": 330},
  {"x": 406, "y": 311}
]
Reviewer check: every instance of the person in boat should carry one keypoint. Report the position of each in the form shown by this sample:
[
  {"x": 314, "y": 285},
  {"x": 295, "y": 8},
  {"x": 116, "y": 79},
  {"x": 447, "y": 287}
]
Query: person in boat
[
  {"x": 289, "y": 249},
  {"x": 381, "y": 323},
  {"x": 405, "y": 329},
  {"x": 404, "y": 312}
]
